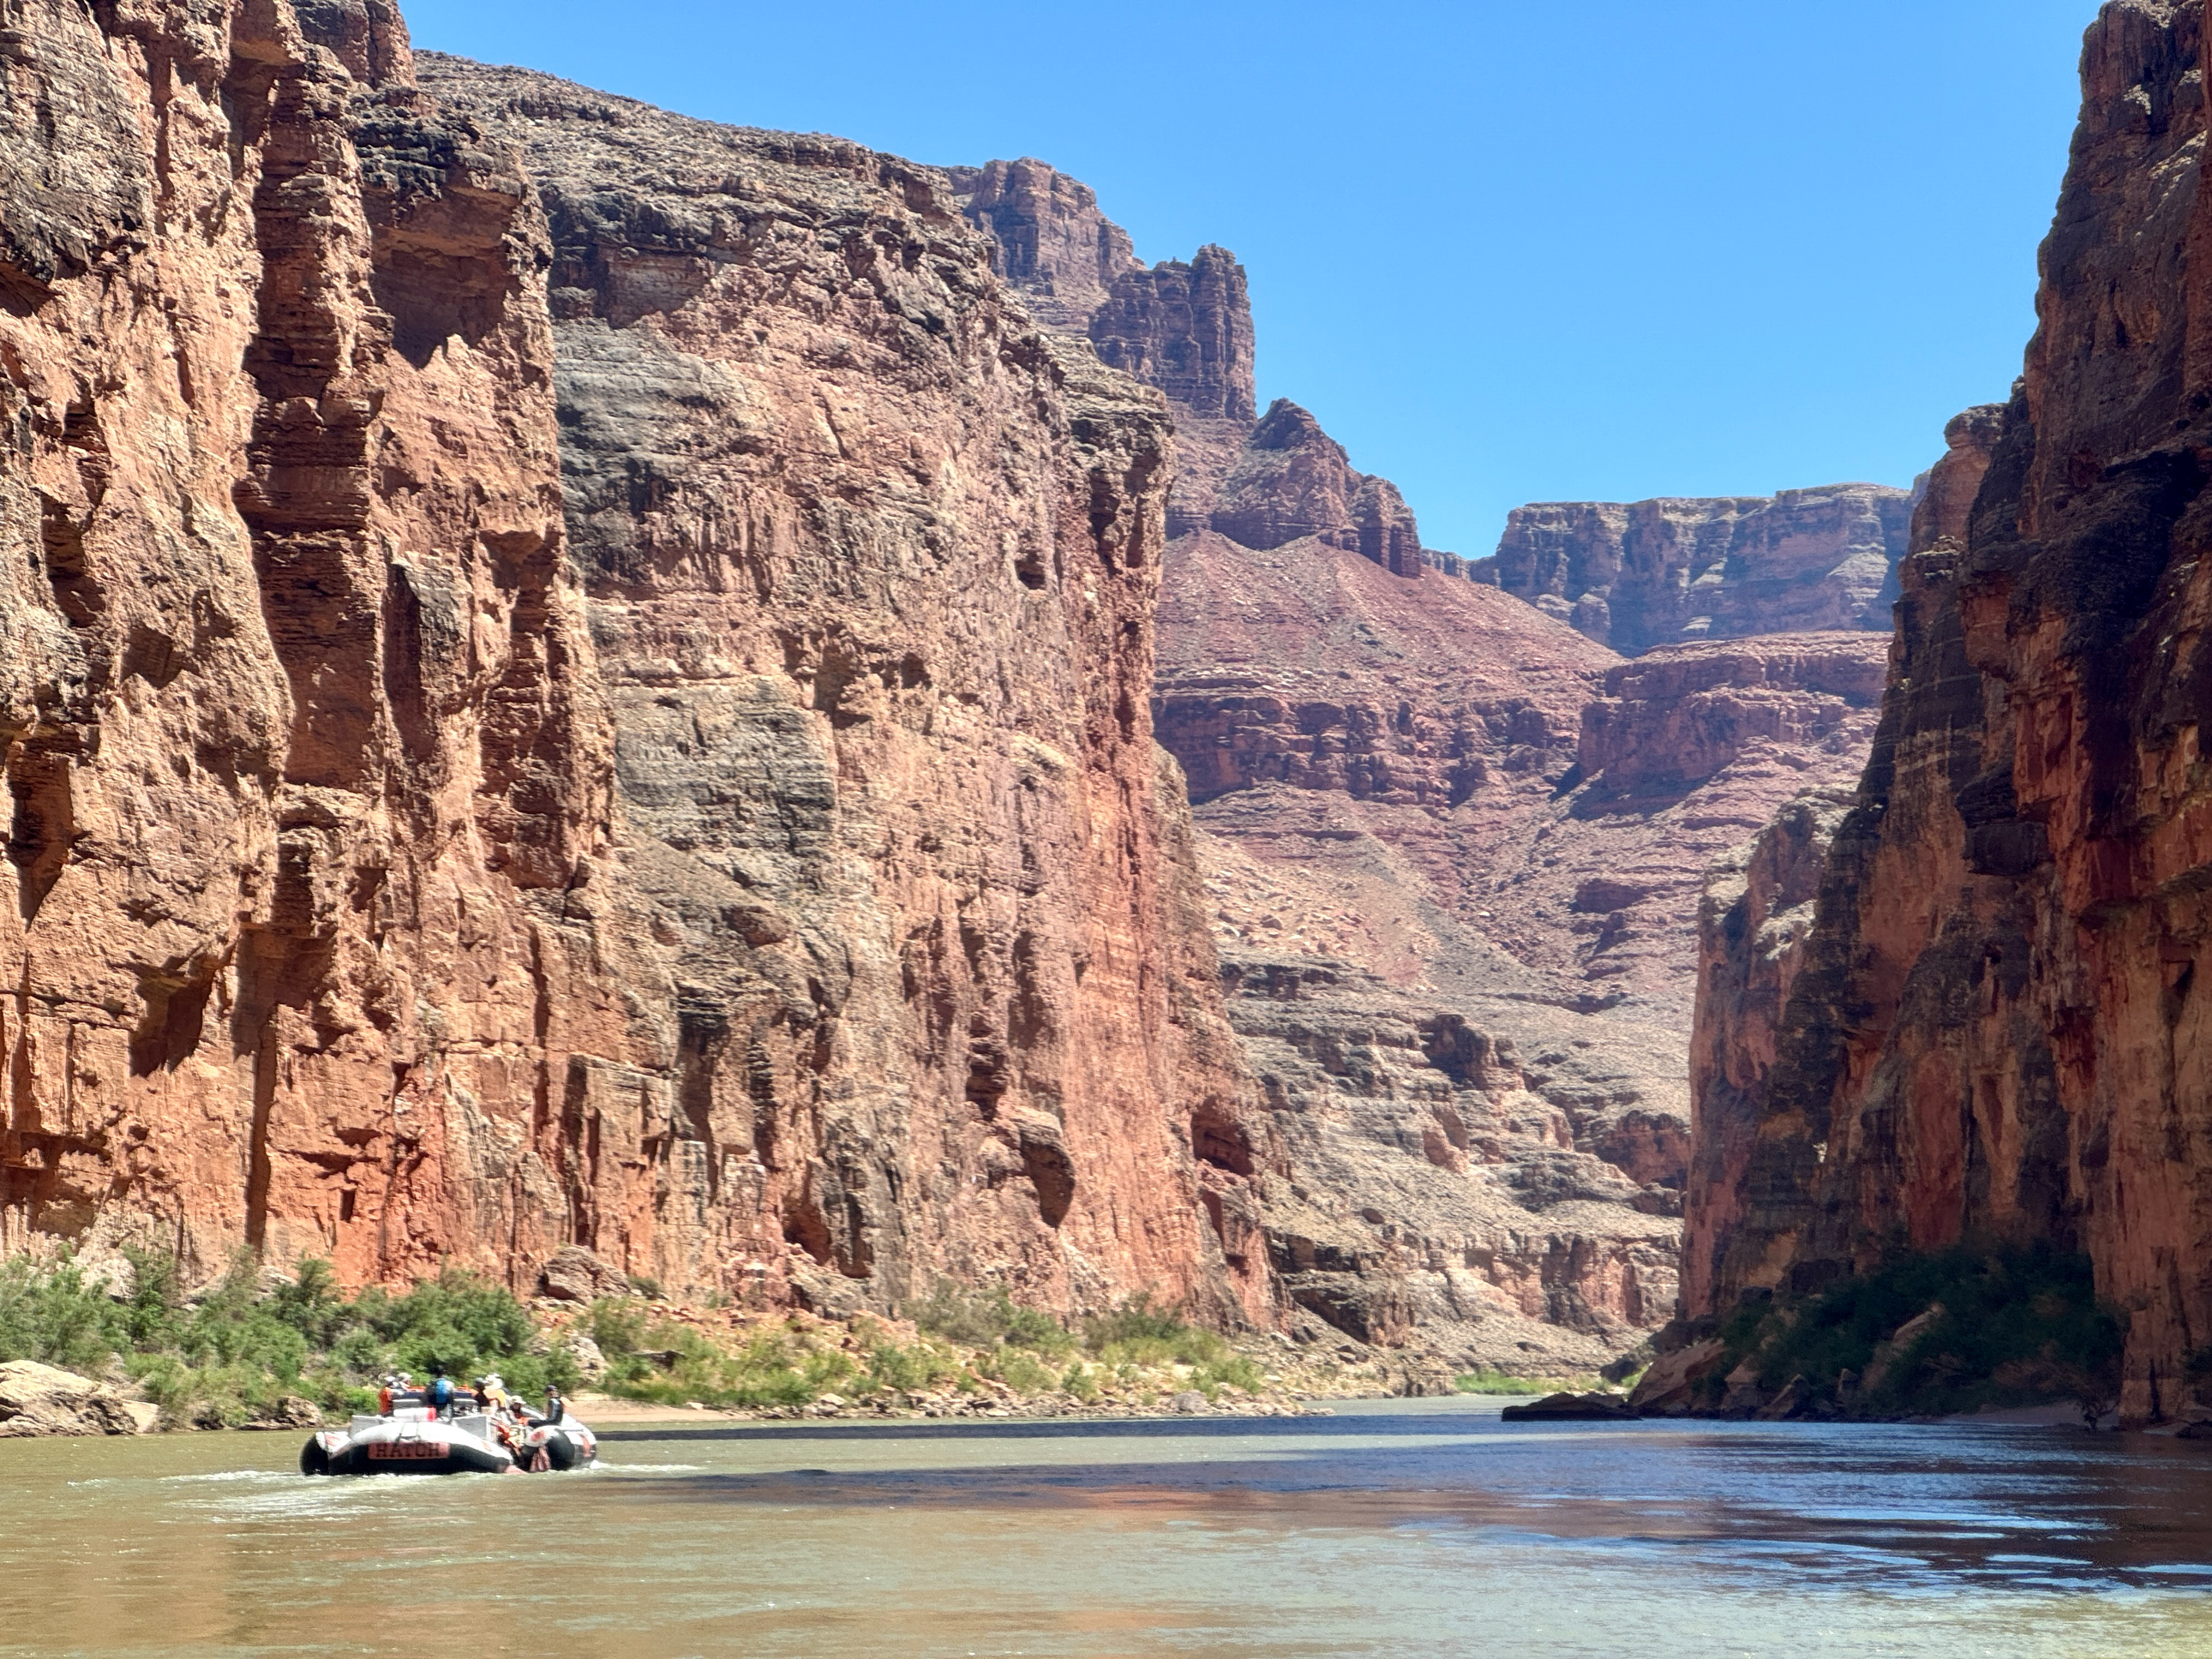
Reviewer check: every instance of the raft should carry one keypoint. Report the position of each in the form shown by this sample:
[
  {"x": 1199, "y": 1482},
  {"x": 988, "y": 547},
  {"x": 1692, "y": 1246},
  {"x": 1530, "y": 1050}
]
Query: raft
[{"x": 417, "y": 1441}]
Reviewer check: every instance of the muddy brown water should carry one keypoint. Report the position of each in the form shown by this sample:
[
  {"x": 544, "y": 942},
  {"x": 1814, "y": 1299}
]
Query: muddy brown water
[{"x": 1405, "y": 1528}]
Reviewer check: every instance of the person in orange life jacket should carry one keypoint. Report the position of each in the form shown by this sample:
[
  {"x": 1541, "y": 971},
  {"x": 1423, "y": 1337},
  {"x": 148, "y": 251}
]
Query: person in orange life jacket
[{"x": 384, "y": 1398}]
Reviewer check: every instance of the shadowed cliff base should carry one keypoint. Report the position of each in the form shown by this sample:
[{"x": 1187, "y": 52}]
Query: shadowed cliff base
[{"x": 1921, "y": 1335}]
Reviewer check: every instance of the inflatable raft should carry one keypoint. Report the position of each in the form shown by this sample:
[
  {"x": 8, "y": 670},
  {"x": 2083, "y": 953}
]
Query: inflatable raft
[{"x": 417, "y": 1440}]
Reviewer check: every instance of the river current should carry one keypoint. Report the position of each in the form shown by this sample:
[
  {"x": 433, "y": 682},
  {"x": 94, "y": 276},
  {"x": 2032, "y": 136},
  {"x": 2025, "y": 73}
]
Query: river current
[{"x": 1407, "y": 1528}]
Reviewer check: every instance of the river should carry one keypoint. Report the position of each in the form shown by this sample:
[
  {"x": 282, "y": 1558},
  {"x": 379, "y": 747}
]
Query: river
[{"x": 1406, "y": 1528}]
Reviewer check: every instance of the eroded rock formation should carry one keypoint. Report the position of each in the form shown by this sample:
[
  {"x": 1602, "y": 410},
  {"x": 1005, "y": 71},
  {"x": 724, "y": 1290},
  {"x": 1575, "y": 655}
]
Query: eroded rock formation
[
  {"x": 760, "y": 873},
  {"x": 1439, "y": 825},
  {"x": 1052, "y": 241},
  {"x": 1661, "y": 571},
  {"x": 1996, "y": 1030},
  {"x": 1187, "y": 329},
  {"x": 1455, "y": 903}
]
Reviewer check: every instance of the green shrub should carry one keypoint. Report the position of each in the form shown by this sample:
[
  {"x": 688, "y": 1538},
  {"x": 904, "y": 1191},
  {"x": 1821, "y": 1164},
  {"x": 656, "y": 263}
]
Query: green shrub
[
  {"x": 1236, "y": 1371},
  {"x": 457, "y": 1323},
  {"x": 52, "y": 1316},
  {"x": 244, "y": 1345},
  {"x": 618, "y": 1327},
  {"x": 771, "y": 1370},
  {"x": 1019, "y": 1369},
  {"x": 157, "y": 1301},
  {"x": 987, "y": 1319},
  {"x": 1141, "y": 1332},
  {"x": 1500, "y": 1382},
  {"x": 2017, "y": 1327},
  {"x": 899, "y": 1368}
]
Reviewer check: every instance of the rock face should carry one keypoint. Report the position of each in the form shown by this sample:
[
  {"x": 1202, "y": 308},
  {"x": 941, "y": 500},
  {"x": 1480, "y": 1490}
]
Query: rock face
[
  {"x": 297, "y": 718},
  {"x": 1291, "y": 480},
  {"x": 1752, "y": 928},
  {"x": 759, "y": 874},
  {"x": 1453, "y": 850},
  {"x": 1458, "y": 946},
  {"x": 1052, "y": 241},
  {"x": 1996, "y": 1029},
  {"x": 1660, "y": 572},
  {"x": 1682, "y": 714},
  {"x": 1187, "y": 329}
]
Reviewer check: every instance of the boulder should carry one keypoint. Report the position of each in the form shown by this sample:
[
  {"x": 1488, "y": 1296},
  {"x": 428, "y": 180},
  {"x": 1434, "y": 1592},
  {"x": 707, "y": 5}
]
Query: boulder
[
  {"x": 1887, "y": 1354},
  {"x": 1189, "y": 1403},
  {"x": 1795, "y": 1399},
  {"x": 591, "y": 1364},
  {"x": 37, "y": 1400},
  {"x": 1668, "y": 1388},
  {"x": 291, "y": 1411},
  {"x": 1743, "y": 1396},
  {"x": 575, "y": 1274},
  {"x": 1571, "y": 1408},
  {"x": 1424, "y": 1381}
]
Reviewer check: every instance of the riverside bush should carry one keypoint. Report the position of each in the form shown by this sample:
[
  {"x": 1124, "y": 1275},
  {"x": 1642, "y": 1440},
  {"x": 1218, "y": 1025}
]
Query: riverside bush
[
  {"x": 987, "y": 1319},
  {"x": 773, "y": 1369},
  {"x": 1141, "y": 1332},
  {"x": 246, "y": 1344},
  {"x": 1500, "y": 1383},
  {"x": 2013, "y": 1327}
]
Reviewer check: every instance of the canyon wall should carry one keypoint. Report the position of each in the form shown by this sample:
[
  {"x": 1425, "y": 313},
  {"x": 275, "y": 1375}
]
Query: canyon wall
[
  {"x": 1995, "y": 1030},
  {"x": 1656, "y": 573},
  {"x": 575, "y": 677},
  {"x": 300, "y": 734},
  {"x": 1455, "y": 904},
  {"x": 1453, "y": 849}
]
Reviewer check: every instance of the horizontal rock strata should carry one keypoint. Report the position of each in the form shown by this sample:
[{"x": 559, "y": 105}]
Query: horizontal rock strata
[
  {"x": 1654, "y": 572},
  {"x": 1460, "y": 965}
]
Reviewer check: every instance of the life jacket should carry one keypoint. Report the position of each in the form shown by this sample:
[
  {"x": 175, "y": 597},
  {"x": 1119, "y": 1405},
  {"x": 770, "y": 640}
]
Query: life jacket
[{"x": 384, "y": 1401}]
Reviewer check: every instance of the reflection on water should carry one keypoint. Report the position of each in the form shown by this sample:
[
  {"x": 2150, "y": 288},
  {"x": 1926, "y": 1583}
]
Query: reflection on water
[{"x": 1411, "y": 1528}]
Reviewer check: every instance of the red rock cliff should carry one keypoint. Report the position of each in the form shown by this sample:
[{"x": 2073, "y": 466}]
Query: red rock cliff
[
  {"x": 1998, "y": 1029},
  {"x": 759, "y": 872}
]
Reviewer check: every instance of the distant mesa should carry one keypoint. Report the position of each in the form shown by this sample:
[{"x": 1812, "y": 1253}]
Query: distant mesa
[{"x": 1644, "y": 574}]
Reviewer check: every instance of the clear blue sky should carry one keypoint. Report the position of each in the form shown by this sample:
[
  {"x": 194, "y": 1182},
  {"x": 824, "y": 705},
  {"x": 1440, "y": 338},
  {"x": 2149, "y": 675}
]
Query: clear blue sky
[{"x": 1506, "y": 250}]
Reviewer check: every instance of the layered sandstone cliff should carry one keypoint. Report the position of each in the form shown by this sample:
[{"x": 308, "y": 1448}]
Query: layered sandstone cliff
[
  {"x": 1996, "y": 1031},
  {"x": 298, "y": 721},
  {"x": 1656, "y": 573},
  {"x": 760, "y": 872},
  {"x": 1455, "y": 906},
  {"x": 1453, "y": 851}
]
